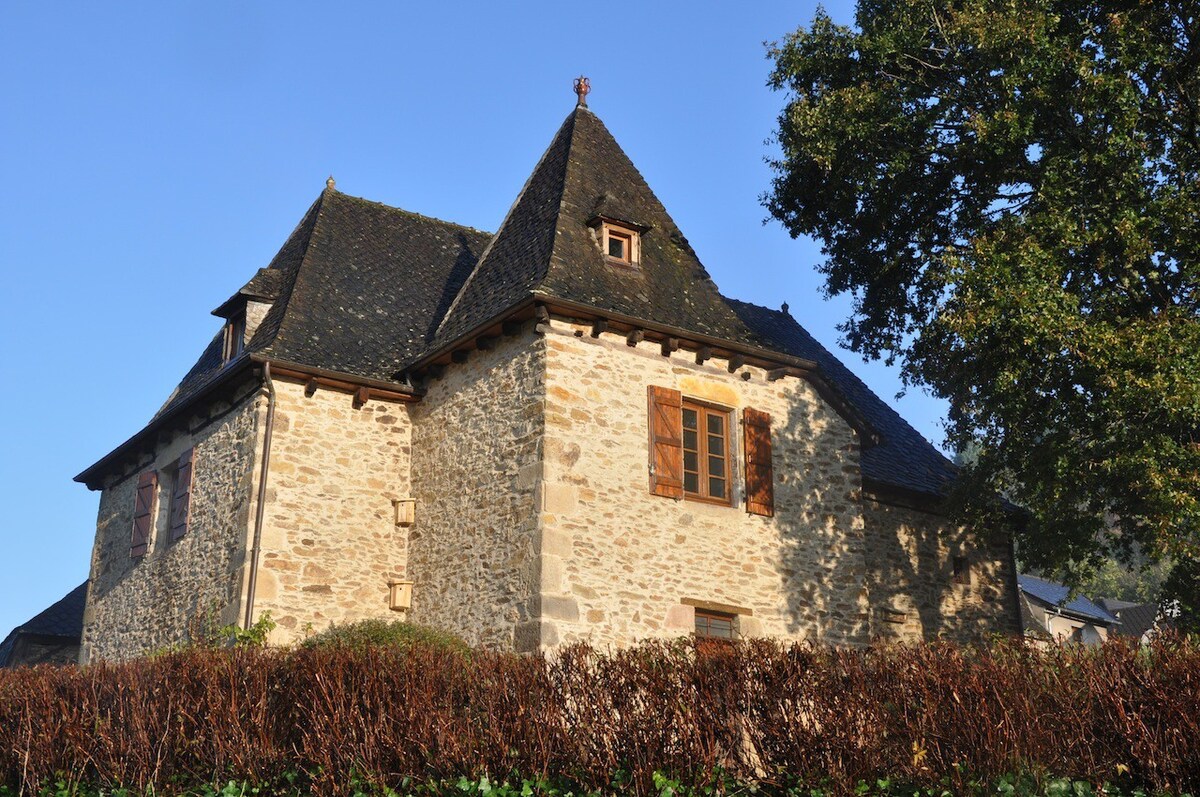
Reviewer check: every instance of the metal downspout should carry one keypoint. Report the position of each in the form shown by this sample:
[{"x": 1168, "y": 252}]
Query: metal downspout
[{"x": 262, "y": 494}]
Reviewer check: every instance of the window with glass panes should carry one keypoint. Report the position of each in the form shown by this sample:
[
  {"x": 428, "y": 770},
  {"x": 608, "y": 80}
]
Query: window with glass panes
[
  {"x": 706, "y": 453},
  {"x": 714, "y": 625}
]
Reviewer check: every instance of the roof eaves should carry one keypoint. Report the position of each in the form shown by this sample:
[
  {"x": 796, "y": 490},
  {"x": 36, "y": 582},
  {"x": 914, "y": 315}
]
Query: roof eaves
[
  {"x": 90, "y": 475},
  {"x": 807, "y": 369},
  {"x": 342, "y": 376},
  {"x": 451, "y": 345}
]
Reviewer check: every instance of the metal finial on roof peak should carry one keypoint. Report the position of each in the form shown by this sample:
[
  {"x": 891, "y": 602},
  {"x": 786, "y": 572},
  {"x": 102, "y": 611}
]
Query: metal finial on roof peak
[
  {"x": 582, "y": 87},
  {"x": 330, "y": 183},
  {"x": 785, "y": 307}
]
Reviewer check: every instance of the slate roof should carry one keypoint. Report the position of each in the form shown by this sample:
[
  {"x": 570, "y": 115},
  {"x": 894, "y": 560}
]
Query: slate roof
[
  {"x": 545, "y": 246},
  {"x": 64, "y": 618},
  {"x": 358, "y": 288},
  {"x": 1136, "y": 618},
  {"x": 903, "y": 458},
  {"x": 368, "y": 290},
  {"x": 1051, "y": 593}
]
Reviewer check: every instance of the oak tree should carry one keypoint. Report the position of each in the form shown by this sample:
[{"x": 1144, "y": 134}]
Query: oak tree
[{"x": 1010, "y": 192}]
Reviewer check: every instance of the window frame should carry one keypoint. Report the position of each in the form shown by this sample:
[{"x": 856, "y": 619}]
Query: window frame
[
  {"x": 235, "y": 336},
  {"x": 703, "y": 410},
  {"x": 713, "y": 614},
  {"x": 629, "y": 236}
]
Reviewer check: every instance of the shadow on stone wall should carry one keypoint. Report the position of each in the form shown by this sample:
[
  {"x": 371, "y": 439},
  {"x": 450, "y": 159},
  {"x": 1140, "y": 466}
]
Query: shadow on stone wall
[{"x": 848, "y": 567}]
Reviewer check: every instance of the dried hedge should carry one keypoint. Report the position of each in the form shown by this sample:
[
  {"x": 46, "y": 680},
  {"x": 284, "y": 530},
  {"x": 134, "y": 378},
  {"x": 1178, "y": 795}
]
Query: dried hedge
[{"x": 756, "y": 711}]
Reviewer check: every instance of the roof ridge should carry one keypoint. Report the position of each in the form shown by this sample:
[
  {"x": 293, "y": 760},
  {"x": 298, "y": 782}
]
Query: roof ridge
[
  {"x": 408, "y": 212},
  {"x": 483, "y": 257},
  {"x": 280, "y": 305}
]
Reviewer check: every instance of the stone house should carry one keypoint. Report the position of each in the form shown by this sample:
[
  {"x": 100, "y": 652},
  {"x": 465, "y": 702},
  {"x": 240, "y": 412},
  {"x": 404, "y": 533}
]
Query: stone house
[
  {"x": 1052, "y": 614},
  {"x": 558, "y": 432}
]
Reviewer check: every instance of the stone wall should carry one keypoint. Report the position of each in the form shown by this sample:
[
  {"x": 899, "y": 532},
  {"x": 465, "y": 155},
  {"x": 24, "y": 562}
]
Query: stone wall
[
  {"x": 139, "y": 605},
  {"x": 914, "y": 596},
  {"x": 619, "y": 564},
  {"x": 477, "y": 452},
  {"x": 330, "y": 543}
]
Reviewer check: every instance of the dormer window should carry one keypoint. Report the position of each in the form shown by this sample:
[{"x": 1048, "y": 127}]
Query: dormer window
[
  {"x": 620, "y": 244},
  {"x": 235, "y": 335}
]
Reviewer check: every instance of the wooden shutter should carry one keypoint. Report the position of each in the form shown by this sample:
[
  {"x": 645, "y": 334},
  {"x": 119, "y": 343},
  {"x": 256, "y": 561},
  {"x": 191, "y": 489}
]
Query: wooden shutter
[
  {"x": 143, "y": 513},
  {"x": 760, "y": 477},
  {"x": 181, "y": 496},
  {"x": 666, "y": 442}
]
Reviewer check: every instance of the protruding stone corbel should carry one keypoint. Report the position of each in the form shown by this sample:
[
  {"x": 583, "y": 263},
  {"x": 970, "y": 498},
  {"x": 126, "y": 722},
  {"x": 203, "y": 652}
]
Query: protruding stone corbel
[
  {"x": 460, "y": 356},
  {"x": 486, "y": 342},
  {"x": 542, "y": 315}
]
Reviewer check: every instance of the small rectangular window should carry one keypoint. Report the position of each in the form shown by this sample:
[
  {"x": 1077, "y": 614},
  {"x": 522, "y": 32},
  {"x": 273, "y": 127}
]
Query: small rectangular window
[
  {"x": 706, "y": 453},
  {"x": 620, "y": 244},
  {"x": 715, "y": 625},
  {"x": 235, "y": 336},
  {"x": 962, "y": 570}
]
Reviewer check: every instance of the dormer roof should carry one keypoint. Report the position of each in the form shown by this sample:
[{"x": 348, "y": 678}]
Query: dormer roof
[{"x": 262, "y": 287}]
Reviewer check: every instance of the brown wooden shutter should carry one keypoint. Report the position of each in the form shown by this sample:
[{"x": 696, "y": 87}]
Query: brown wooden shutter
[
  {"x": 181, "y": 496},
  {"x": 760, "y": 476},
  {"x": 666, "y": 442},
  {"x": 143, "y": 513}
]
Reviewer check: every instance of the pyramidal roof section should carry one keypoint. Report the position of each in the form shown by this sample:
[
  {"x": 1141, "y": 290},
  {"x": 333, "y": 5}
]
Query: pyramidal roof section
[
  {"x": 517, "y": 258},
  {"x": 549, "y": 246}
]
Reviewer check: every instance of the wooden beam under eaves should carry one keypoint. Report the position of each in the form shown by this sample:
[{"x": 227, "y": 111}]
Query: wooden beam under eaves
[
  {"x": 703, "y": 353},
  {"x": 736, "y": 361},
  {"x": 634, "y": 337},
  {"x": 599, "y": 326},
  {"x": 360, "y": 397},
  {"x": 460, "y": 355},
  {"x": 669, "y": 345}
]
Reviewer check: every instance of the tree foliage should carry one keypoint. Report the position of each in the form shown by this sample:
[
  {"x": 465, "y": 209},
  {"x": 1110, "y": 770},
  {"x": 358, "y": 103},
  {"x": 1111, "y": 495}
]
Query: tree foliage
[{"x": 1011, "y": 194}]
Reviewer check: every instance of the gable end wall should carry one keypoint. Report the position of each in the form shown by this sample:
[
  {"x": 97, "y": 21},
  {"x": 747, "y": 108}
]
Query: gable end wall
[
  {"x": 136, "y": 606},
  {"x": 619, "y": 564}
]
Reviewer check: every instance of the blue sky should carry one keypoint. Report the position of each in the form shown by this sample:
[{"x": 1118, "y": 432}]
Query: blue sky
[{"x": 155, "y": 155}]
